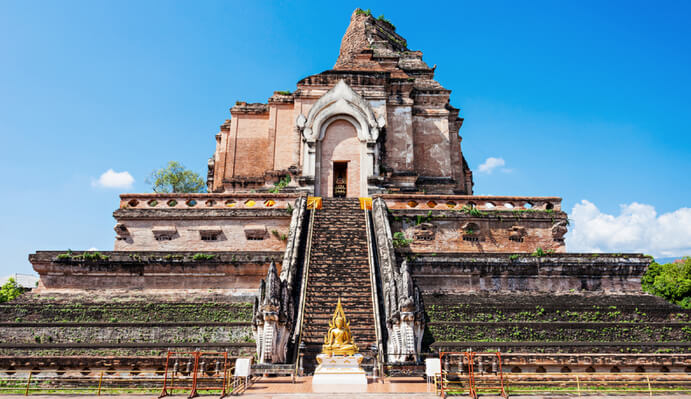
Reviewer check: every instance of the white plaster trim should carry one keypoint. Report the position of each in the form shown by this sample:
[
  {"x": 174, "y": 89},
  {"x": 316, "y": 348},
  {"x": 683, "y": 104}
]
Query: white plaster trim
[
  {"x": 340, "y": 103},
  {"x": 341, "y": 99}
]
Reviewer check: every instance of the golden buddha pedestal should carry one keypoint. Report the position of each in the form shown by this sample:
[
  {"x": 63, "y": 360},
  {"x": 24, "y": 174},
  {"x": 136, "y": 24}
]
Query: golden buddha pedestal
[{"x": 339, "y": 362}]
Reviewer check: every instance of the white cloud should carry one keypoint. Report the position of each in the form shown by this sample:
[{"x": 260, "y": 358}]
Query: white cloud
[
  {"x": 491, "y": 164},
  {"x": 92, "y": 249},
  {"x": 637, "y": 228},
  {"x": 113, "y": 179}
]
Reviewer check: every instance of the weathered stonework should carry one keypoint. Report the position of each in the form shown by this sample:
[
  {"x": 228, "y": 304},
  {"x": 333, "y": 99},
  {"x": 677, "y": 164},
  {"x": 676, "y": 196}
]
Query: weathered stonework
[
  {"x": 407, "y": 133},
  {"x": 235, "y": 273},
  {"x": 422, "y": 264},
  {"x": 205, "y": 222},
  {"x": 556, "y": 273}
]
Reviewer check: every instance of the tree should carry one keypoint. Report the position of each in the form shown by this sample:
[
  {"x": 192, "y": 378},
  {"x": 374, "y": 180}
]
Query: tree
[
  {"x": 671, "y": 281},
  {"x": 175, "y": 178},
  {"x": 10, "y": 290}
]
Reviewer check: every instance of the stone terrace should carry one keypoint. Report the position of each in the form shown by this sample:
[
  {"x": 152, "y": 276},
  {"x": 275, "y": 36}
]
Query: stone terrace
[{"x": 234, "y": 273}]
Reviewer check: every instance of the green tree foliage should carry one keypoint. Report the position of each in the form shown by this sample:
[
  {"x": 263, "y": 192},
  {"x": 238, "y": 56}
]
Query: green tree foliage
[
  {"x": 175, "y": 178},
  {"x": 671, "y": 281},
  {"x": 10, "y": 290}
]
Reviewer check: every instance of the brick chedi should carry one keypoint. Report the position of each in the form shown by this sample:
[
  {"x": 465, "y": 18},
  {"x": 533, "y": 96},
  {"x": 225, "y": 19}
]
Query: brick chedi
[
  {"x": 353, "y": 186},
  {"x": 378, "y": 118}
]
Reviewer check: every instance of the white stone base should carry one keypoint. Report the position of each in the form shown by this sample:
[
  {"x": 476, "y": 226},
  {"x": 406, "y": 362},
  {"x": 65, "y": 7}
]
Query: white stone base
[{"x": 339, "y": 374}]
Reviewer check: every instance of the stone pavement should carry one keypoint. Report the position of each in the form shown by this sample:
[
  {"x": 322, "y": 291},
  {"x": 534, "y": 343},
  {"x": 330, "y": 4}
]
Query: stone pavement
[
  {"x": 281, "y": 387},
  {"x": 400, "y": 387},
  {"x": 349, "y": 396},
  {"x": 369, "y": 395}
]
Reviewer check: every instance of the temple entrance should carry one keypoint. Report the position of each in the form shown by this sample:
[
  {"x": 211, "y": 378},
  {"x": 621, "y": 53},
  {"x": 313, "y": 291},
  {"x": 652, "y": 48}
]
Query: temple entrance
[
  {"x": 340, "y": 188},
  {"x": 339, "y": 161}
]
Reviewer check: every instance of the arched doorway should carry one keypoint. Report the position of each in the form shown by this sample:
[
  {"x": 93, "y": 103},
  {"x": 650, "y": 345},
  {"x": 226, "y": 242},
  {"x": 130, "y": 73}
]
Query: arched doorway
[
  {"x": 339, "y": 165},
  {"x": 341, "y": 131}
]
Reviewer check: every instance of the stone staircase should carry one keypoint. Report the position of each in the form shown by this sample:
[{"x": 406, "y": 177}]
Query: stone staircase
[{"x": 338, "y": 267}]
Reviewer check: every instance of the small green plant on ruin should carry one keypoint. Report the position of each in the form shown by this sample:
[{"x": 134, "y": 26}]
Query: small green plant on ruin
[
  {"x": 280, "y": 185},
  {"x": 539, "y": 252},
  {"x": 10, "y": 290},
  {"x": 289, "y": 209},
  {"x": 200, "y": 256},
  {"x": 472, "y": 211},
  {"x": 400, "y": 241},
  {"x": 279, "y": 235},
  {"x": 94, "y": 256},
  {"x": 367, "y": 12},
  {"x": 419, "y": 219},
  {"x": 284, "y": 92},
  {"x": 384, "y": 19},
  {"x": 90, "y": 256},
  {"x": 66, "y": 256},
  {"x": 513, "y": 257}
]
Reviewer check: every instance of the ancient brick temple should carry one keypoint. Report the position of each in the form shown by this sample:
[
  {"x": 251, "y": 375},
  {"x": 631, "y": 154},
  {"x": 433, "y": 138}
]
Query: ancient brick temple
[{"x": 353, "y": 186}]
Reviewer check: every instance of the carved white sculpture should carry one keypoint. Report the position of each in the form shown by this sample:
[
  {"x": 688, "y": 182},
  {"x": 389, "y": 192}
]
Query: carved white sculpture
[
  {"x": 340, "y": 103},
  {"x": 405, "y": 319},
  {"x": 273, "y": 318}
]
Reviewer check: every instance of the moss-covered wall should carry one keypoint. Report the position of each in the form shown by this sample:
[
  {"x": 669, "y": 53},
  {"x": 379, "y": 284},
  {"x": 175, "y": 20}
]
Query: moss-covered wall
[
  {"x": 64, "y": 311},
  {"x": 560, "y": 323}
]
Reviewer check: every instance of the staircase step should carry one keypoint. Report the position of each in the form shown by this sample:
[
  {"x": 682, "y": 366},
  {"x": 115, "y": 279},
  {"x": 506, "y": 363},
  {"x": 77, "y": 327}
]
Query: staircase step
[{"x": 338, "y": 268}]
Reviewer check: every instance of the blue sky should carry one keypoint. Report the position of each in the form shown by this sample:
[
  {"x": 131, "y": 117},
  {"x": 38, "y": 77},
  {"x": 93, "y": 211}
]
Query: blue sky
[{"x": 586, "y": 100}]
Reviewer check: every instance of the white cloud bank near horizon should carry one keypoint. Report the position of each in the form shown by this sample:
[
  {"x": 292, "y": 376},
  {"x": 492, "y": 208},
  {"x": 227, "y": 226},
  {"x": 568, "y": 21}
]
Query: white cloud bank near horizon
[
  {"x": 637, "y": 228},
  {"x": 491, "y": 164},
  {"x": 113, "y": 179}
]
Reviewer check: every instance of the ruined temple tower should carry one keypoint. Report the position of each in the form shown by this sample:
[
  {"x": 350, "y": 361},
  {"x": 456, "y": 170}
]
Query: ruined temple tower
[
  {"x": 377, "y": 122},
  {"x": 353, "y": 187}
]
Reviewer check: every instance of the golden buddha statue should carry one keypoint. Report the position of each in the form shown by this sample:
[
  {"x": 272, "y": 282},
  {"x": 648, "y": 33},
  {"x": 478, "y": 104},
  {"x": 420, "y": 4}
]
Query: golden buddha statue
[{"x": 339, "y": 341}]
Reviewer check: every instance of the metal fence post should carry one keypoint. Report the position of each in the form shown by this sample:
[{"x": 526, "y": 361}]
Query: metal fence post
[
  {"x": 28, "y": 381},
  {"x": 193, "y": 392},
  {"x": 100, "y": 380}
]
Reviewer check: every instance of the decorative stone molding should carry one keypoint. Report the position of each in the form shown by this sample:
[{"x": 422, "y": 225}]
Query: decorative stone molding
[
  {"x": 341, "y": 103},
  {"x": 289, "y": 267},
  {"x": 480, "y": 202},
  {"x": 340, "y": 100},
  {"x": 559, "y": 229},
  {"x": 164, "y": 233},
  {"x": 121, "y": 230},
  {"x": 424, "y": 232},
  {"x": 173, "y": 201},
  {"x": 255, "y": 231},
  {"x": 517, "y": 232}
]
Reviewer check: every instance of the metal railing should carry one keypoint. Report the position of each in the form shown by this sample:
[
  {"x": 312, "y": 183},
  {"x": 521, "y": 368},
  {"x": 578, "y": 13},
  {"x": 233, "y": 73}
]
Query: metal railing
[
  {"x": 210, "y": 372},
  {"x": 303, "y": 291},
  {"x": 455, "y": 383},
  {"x": 371, "y": 248},
  {"x": 199, "y": 380},
  {"x": 460, "y": 376}
]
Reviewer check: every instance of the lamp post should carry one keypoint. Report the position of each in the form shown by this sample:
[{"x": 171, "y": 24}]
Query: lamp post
[
  {"x": 375, "y": 368},
  {"x": 301, "y": 351}
]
